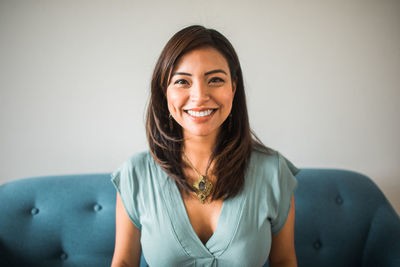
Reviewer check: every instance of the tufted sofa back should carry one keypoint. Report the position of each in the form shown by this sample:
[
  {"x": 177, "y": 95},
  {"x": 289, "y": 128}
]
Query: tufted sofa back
[
  {"x": 58, "y": 221},
  {"x": 342, "y": 219}
]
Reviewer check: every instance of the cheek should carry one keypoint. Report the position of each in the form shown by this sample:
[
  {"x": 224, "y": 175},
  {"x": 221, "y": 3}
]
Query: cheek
[
  {"x": 227, "y": 102},
  {"x": 175, "y": 100},
  {"x": 227, "y": 98}
]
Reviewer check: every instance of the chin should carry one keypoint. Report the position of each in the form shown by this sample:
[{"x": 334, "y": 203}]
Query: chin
[{"x": 202, "y": 132}]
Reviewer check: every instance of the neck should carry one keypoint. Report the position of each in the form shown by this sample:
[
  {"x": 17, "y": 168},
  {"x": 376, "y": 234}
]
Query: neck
[{"x": 199, "y": 150}]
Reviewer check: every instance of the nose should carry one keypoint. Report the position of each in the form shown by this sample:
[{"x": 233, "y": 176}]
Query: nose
[{"x": 199, "y": 92}]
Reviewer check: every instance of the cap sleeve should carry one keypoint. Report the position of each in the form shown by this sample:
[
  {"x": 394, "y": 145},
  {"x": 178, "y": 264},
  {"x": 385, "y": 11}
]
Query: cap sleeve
[
  {"x": 285, "y": 187},
  {"x": 126, "y": 183}
]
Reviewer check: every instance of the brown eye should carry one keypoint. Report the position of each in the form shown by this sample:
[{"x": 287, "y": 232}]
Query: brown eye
[
  {"x": 216, "y": 80},
  {"x": 181, "y": 81}
]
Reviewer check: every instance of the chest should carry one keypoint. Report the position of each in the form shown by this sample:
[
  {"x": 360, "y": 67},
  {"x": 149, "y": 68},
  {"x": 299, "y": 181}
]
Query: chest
[
  {"x": 188, "y": 233},
  {"x": 180, "y": 231},
  {"x": 203, "y": 217}
]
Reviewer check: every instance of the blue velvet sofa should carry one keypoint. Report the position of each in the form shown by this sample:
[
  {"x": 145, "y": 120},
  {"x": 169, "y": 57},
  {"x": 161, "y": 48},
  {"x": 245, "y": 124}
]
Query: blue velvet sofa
[{"x": 342, "y": 219}]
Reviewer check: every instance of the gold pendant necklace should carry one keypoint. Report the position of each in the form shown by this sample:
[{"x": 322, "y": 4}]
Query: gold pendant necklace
[{"x": 203, "y": 187}]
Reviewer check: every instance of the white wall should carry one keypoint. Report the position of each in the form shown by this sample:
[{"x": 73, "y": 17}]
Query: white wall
[{"x": 322, "y": 77}]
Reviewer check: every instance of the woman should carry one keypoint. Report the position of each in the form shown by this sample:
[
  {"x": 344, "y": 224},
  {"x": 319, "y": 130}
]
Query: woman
[{"x": 208, "y": 193}]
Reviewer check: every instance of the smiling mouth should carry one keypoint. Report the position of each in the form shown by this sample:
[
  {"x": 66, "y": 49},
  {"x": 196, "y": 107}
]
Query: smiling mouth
[{"x": 199, "y": 114}]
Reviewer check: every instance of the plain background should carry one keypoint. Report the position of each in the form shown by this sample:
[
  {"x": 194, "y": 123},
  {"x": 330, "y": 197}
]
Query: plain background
[{"x": 322, "y": 80}]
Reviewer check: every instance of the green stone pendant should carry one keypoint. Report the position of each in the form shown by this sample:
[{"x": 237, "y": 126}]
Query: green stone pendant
[{"x": 203, "y": 188}]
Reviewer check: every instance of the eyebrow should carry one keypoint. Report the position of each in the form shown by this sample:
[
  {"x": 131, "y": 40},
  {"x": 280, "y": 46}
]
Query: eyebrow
[
  {"x": 215, "y": 71},
  {"x": 181, "y": 73},
  {"x": 205, "y": 74}
]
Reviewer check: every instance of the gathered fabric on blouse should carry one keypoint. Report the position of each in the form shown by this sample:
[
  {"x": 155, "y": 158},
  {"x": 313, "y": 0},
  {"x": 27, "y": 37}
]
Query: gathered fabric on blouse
[{"x": 246, "y": 222}]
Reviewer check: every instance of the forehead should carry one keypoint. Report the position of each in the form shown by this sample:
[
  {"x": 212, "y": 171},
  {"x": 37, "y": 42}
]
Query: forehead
[{"x": 202, "y": 59}]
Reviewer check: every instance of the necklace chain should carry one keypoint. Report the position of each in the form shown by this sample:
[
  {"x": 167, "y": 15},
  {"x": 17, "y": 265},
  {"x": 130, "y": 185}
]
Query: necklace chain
[{"x": 202, "y": 186}]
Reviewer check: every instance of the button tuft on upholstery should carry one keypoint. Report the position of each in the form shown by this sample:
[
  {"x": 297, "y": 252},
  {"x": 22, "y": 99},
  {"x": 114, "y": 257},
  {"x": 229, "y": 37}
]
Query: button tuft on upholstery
[
  {"x": 339, "y": 200},
  {"x": 34, "y": 211},
  {"x": 63, "y": 256},
  {"x": 317, "y": 244},
  {"x": 97, "y": 207}
]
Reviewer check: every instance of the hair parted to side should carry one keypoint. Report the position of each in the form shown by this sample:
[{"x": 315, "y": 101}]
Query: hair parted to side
[{"x": 234, "y": 144}]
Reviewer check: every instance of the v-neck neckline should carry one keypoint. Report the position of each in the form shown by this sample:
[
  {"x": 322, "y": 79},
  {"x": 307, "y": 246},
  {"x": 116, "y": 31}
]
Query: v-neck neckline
[
  {"x": 228, "y": 221},
  {"x": 185, "y": 215}
]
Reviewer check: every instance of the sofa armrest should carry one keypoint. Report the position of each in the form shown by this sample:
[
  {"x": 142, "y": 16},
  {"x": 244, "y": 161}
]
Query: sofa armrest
[{"x": 383, "y": 242}]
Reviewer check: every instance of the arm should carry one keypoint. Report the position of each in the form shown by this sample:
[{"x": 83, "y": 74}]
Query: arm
[
  {"x": 282, "y": 248},
  {"x": 127, "y": 239}
]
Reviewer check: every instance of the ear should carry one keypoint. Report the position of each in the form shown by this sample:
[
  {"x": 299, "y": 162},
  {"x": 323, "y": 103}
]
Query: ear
[{"x": 234, "y": 83}]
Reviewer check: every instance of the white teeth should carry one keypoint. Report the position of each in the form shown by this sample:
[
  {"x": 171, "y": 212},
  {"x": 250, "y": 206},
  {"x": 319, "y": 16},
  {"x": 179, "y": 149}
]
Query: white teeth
[{"x": 200, "y": 113}]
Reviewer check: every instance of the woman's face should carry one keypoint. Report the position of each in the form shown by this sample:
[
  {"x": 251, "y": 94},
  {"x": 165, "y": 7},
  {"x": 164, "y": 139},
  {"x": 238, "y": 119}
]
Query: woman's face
[{"x": 200, "y": 92}]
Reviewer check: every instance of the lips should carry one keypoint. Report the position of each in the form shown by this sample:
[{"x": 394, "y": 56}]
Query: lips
[{"x": 200, "y": 113}]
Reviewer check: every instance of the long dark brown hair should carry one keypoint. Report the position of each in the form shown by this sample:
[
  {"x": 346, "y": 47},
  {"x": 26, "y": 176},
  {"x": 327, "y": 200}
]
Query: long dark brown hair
[{"x": 235, "y": 141}]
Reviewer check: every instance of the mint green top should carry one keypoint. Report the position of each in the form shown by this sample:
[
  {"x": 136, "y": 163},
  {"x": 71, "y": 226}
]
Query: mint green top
[{"x": 245, "y": 225}]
